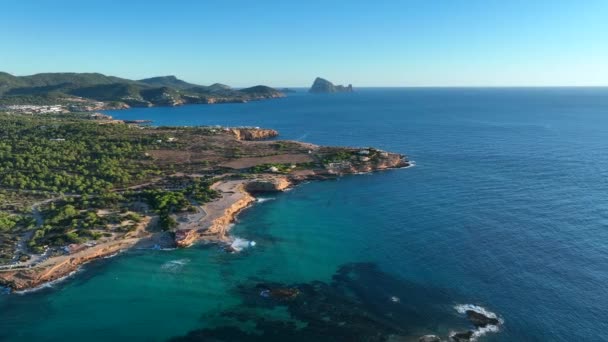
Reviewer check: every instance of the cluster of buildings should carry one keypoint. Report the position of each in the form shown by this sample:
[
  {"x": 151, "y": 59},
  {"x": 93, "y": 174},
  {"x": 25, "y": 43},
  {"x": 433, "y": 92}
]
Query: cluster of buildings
[
  {"x": 34, "y": 109},
  {"x": 100, "y": 116}
]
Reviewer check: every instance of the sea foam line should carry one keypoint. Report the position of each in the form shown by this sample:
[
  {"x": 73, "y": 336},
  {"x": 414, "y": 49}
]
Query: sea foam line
[{"x": 48, "y": 284}]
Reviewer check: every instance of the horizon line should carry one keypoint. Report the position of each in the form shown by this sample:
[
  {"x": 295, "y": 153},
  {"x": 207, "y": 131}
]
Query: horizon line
[{"x": 337, "y": 83}]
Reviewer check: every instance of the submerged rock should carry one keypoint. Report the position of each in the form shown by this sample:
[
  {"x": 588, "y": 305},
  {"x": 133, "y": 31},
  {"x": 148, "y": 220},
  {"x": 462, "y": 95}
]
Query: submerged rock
[
  {"x": 356, "y": 305},
  {"x": 230, "y": 249},
  {"x": 284, "y": 293},
  {"x": 278, "y": 293}
]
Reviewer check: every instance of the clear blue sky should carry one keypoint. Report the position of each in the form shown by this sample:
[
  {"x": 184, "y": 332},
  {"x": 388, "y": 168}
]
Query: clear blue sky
[{"x": 288, "y": 43}]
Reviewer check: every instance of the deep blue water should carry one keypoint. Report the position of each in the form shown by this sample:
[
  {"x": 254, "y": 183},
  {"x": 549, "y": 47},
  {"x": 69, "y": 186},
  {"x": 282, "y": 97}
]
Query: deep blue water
[{"x": 506, "y": 208}]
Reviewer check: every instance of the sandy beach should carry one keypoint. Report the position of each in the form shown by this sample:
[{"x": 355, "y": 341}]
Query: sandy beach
[{"x": 218, "y": 214}]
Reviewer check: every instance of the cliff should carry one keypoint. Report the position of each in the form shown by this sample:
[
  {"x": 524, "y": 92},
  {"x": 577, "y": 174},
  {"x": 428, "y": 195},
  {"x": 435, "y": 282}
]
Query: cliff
[
  {"x": 274, "y": 184},
  {"x": 321, "y": 85},
  {"x": 253, "y": 133}
]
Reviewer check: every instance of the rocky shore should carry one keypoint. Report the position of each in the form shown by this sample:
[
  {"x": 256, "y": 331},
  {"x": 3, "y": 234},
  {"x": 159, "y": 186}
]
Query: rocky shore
[
  {"x": 253, "y": 133},
  {"x": 58, "y": 267}
]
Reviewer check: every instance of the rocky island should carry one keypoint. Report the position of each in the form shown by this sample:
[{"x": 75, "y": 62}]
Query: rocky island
[
  {"x": 77, "y": 188},
  {"x": 321, "y": 85}
]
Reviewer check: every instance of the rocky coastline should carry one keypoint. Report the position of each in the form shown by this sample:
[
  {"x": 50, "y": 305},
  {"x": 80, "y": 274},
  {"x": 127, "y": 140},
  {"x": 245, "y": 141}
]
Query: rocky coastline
[
  {"x": 211, "y": 221},
  {"x": 56, "y": 268},
  {"x": 238, "y": 195}
]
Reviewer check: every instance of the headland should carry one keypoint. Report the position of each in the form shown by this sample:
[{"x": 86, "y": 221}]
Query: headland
[{"x": 155, "y": 187}]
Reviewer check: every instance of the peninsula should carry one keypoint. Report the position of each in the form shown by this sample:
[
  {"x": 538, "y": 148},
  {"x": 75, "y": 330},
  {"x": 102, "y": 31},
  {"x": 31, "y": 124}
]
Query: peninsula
[
  {"x": 76, "y": 187},
  {"x": 321, "y": 85},
  {"x": 78, "y": 92}
]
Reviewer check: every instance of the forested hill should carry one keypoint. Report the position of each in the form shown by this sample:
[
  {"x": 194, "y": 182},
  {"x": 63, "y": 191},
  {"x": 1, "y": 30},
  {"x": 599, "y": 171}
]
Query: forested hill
[{"x": 156, "y": 91}]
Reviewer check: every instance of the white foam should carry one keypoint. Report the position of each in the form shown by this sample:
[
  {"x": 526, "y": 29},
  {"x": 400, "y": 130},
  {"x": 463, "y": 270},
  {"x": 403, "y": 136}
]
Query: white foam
[
  {"x": 463, "y": 308},
  {"x": 264, "y": 199},
  {"x": 49, "y": 284},
  {"x": 411, "y": 163},
  {"x": 111, "y": 255},
  {"x": 239, "y": 244},
  {"x": 482, "y": 331}
]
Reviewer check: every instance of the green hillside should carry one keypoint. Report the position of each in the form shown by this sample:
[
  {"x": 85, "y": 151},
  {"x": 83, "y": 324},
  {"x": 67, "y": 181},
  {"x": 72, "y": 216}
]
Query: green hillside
[
  {"x": 167, "y": 81},
  {"x": 47, "y": 88}
]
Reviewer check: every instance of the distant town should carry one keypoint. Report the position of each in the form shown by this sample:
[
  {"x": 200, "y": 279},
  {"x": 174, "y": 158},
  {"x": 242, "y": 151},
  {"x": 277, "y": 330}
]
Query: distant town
[{"x": 52, "y": 109}]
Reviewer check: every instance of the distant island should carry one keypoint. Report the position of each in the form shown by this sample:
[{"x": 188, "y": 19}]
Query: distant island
[
  {"x": 321, "y": 85},
  {"x": 77, "y": 92}
]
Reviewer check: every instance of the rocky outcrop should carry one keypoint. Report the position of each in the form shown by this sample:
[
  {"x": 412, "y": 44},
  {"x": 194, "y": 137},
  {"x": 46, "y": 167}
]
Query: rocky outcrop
[
  {"x": 480, "y": 320},
  {"x": 185, "y": 237},
  {"x": 273, "y": 184},
  {"x": 254, "y": 133},
  {"x": 321, "y": 85},
  {"x": 371, "y": 160},
  {"x": 463, "y": 336}
]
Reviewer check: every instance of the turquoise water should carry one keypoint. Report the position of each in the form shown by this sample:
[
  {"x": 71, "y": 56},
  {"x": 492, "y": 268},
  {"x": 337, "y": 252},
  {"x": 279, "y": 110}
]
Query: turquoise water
[{"x": 506, "y": 208}]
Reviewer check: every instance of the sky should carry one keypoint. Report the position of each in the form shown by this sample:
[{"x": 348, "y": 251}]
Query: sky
[{"x": 289, "y": 43}]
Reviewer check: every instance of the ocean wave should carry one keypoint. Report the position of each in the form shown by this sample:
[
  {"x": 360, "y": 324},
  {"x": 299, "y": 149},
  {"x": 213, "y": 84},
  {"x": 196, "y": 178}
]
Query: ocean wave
[
  {"x": 482, "y": 331},
  {"x": 412, "y": 163},
  {"x": 111, "y": 255},
  {"x": 239, "y": 244},
  {"x": 264, "y": 199},
  {"x": 174, "y": 265}
]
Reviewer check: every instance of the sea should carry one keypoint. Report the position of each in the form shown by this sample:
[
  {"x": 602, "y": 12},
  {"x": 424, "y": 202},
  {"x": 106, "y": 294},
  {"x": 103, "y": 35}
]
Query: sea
[{"x": 505, "y": 212}]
